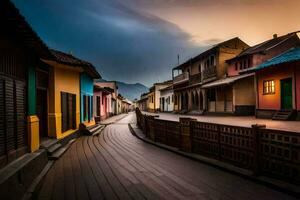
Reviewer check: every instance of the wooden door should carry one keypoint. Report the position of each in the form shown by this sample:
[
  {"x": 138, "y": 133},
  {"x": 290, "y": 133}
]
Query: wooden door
[
  {"x": 286, "y": 94},
  {"x": 42, "y": 111}
]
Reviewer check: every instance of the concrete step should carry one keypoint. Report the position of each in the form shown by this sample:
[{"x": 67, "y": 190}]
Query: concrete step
[
  {"x": 58, "y": 153},
  {"x": 53, "y": 148},
  {"x": 94, "y": 129},
  {"x": 98, "y": 131},
  {"x": 46, "y": 144}
]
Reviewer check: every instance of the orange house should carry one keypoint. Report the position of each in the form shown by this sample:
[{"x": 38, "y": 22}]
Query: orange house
[{"x": 278, "y": 87}]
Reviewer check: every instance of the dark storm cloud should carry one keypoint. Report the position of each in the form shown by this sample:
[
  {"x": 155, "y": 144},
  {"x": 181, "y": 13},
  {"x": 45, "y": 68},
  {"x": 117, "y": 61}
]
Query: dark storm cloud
[{"x": 124, "y": 43}]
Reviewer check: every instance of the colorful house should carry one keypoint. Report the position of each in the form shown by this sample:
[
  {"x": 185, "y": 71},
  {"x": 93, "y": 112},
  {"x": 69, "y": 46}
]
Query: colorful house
[
  {"x": 237, "y": 89},
  {"x": 64, "y": 93},
  {"x": 102, "y": 96},
  {"x": 209, "y": 66},
  {"x": 20, "y": 50},
  {"x": 278, "y": 87},
  {"x": 86, "y": 96},
  {"x": 113, "y": 97}
]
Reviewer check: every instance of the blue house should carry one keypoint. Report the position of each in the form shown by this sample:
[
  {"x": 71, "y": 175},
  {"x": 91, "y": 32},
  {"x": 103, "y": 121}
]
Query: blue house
[{"x": 86, "y": 95}]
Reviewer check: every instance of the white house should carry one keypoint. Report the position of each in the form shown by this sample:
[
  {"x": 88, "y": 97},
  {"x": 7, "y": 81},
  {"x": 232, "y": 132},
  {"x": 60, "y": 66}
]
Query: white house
[{"x": 167, "y": 99}]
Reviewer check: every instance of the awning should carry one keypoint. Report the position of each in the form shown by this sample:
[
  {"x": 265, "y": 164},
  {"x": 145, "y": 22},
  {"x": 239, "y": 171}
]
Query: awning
[{"x": 226, "y": 81}]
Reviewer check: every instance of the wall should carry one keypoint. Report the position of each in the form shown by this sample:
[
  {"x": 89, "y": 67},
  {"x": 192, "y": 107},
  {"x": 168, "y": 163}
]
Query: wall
[
  {"x": 63, "y": 78},
  {"x": 167, "y": 94},
  {"x": 150, "y": 106},
  {"x": 86, "y": 88},
  {"x": 244, "y": 92},
  {"x": 273, "y": 101}
]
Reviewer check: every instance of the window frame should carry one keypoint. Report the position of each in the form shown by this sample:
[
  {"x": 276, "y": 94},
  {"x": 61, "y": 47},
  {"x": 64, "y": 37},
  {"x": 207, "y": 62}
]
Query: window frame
[{"x": 272, "y": 87}]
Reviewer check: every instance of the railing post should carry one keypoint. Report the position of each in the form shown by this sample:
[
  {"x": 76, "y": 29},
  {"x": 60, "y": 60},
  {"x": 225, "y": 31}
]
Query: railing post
[
  {"x": 256, "y": 146},
  {"x": 185, "y": 134}
]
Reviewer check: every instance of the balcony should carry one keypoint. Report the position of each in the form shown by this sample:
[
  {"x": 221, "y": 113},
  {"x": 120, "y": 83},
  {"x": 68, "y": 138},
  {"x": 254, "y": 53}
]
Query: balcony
[
  {"x": 181, "y": 78},
  {"x": 209, "y": 72},
  {"x": 196, "y": 78}
]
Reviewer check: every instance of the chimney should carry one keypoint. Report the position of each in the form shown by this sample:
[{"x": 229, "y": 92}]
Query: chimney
[{"x": 274, "y": 36}]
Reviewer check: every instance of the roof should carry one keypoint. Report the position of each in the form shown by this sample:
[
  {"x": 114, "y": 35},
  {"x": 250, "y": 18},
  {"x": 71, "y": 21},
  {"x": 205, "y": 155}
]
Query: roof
[
  {"x": 12, "y": 20},
  {"x": 167, "y": 88},
  {"x": 226, "y": 81},
  {"x": 69, "y": 59},
  {"x": 105, "y": 90},
  {"x": 289, "y": 56},
  {"x": 265, "y": 46},
  {"x": 203, "y": 54}
]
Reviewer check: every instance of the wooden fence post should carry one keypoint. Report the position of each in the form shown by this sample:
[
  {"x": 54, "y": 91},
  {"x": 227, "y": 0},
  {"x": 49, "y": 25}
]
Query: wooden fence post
[
  {"x": 256, "y": 146},
  {"x": 185, "y": 143}
]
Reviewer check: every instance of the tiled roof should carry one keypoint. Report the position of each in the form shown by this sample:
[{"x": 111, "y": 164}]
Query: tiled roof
[
  {"x": 265, "y": 46},
  {"x": 13, "y": 22},
  {"x": 226, "y": 81},
  {"x": 212, "y": 49},
  {"x": 69, "y": 59},
  {"x": 289, "y": 56}
]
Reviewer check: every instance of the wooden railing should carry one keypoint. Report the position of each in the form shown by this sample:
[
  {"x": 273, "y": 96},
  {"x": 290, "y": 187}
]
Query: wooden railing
[
  {"x": 196, "y": 78},
  {"x": 264, "y": 151},
  {"x": 181, "y": 78},
  {"x": 209, "y": 72}
]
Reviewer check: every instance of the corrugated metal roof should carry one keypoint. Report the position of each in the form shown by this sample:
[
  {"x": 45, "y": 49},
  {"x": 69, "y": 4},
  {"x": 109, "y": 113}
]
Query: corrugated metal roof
[
  {"x": 289, "y": 56},
  {"x": 226, "y": 81}
]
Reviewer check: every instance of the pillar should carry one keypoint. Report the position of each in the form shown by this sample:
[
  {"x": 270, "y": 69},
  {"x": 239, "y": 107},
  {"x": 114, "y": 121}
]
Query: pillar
[
  {"x": 185, "y": 134},
  {"x": 32, "y": 119}
]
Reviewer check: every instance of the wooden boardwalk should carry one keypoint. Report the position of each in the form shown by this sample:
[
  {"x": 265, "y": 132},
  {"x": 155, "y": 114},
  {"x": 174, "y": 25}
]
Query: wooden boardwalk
[{"x": 116, "y": 165}]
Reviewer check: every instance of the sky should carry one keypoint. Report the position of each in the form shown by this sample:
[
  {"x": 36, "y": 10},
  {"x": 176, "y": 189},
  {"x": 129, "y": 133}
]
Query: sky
[{"x": 139, "y": 40}]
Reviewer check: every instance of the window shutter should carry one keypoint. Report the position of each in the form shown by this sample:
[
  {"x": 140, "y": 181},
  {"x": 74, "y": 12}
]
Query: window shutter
[
  {"x": 9, "y": 112},
  {"x": 74, "y": 111},
  {"x": 64, "y": 111},
  {"x": 20, "y": 114},
  {"x": 2, "y": 117}
]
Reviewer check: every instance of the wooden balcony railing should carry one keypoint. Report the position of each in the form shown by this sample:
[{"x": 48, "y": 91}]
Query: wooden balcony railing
[
  {"x": 209, "y": 72},
  {"x": 196, "y": 78},
  {"x": 181, "y": 78}
]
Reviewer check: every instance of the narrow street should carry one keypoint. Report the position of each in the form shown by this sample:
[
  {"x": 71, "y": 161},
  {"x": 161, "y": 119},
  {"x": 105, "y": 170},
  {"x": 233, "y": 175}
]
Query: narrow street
[{"x": 117, "y": 165}]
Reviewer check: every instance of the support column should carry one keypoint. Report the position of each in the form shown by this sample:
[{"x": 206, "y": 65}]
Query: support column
[
  {"x": 32, "y": 119},
  {"x": 185, "y": 134}
]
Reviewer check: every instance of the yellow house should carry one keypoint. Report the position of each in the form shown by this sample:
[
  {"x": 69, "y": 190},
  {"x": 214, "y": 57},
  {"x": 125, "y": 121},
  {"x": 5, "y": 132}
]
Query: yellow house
[{"x": 64, "y": 94}]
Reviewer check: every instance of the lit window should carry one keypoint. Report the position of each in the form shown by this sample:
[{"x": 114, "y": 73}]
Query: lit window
[{"x": 269, "y": 87}]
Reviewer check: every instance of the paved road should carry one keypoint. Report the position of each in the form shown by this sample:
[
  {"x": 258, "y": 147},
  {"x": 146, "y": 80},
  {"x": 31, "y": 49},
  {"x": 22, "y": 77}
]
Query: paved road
[
  {"x": 117, "y": 165},
  {"x": 245, "y": 121}
]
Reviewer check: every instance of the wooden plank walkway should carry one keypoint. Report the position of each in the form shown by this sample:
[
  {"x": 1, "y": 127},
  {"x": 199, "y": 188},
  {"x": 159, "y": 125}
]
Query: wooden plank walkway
[{"x": 116, "y": 165}]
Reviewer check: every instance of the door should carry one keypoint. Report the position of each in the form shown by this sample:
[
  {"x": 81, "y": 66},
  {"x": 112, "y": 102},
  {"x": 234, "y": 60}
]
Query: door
[
  {"x": 42, "y": 112},
  {"x": 286, "y": 94}
]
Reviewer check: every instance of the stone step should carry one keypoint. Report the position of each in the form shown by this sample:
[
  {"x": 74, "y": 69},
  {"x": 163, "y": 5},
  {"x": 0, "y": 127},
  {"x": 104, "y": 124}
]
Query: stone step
[
  {"x": 94, "y": 129},
  {"x": 58, "y": 153},
  {"x": 46, "y": 144},
  {"x": 98, "y": 131},
  {"x": 53, "y": 148}
]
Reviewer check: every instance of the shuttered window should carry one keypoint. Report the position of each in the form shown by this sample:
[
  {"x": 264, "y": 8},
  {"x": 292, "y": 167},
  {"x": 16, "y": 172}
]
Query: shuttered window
[
  {"x": 13, "y": 134},
  {"x": 68, "y": 110}
]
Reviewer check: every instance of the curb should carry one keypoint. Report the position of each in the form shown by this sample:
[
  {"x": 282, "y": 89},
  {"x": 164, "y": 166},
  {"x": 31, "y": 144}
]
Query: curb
[{"x": 285, "y": 187}]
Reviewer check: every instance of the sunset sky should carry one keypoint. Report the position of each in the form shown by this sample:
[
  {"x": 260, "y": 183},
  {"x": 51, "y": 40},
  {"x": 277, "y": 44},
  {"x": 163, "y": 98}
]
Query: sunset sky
[{"x": 138, "y": 40}]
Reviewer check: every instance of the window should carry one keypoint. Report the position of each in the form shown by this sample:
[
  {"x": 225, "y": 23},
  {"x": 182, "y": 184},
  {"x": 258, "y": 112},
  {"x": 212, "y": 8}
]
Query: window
[
  {"x": 172, "y": 98},
  {"x": 269, "y": 87},
  {"x": 68, "y": 111}
]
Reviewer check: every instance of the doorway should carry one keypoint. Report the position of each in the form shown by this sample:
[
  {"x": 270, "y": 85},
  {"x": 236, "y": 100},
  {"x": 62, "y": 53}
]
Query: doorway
[
  {"x": 286, "y": 87},
  {"x": 42, "y": 111}
]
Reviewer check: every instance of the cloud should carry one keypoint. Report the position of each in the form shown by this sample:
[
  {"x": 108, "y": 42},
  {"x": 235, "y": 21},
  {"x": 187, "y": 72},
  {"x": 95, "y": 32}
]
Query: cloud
[{"x": 125, "y": 43}]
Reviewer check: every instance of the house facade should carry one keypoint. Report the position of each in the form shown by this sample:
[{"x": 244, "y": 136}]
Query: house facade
[
  {"x": 278, "y": 87},
  {"x": 20, "y": 50},
  {"x": 64, "y": 94},
  {"x": 86, "y": 97},
  {"x": 167, "y": 99},
  {"x": 142, "y": 103},
  {"x": 238, "y": 87},
  {"x": 154, "y": 95},
  {"x": 209, "y": 66},
  {"x": 113, "y": 101},
  {"x": 102, "y": 107}
]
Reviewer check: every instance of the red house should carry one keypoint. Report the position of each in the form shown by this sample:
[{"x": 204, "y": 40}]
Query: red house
[{"x": 278, "y": 87}]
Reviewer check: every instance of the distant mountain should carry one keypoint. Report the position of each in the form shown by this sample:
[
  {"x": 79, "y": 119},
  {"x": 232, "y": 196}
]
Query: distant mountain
[{"x": 131, "y": 91}]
